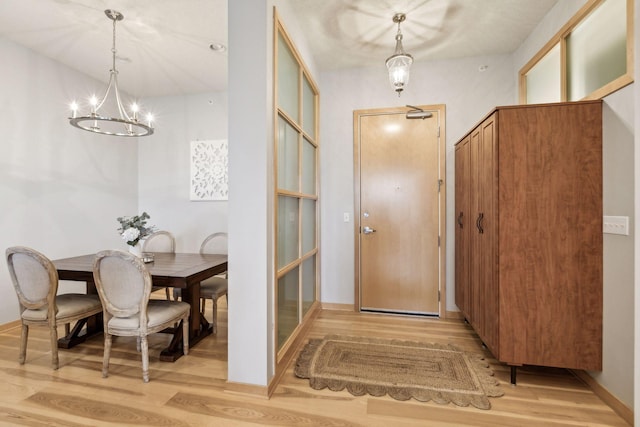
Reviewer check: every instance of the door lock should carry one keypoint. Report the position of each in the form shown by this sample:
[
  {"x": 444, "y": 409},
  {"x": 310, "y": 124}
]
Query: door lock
[{"x": 368, "y": 230}]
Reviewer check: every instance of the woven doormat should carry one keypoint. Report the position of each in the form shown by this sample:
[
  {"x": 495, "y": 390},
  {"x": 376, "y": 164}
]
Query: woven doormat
[{"x": 401, "y": 369}]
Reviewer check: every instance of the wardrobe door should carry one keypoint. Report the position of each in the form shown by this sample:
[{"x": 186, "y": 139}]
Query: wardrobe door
[
  {"x": 551, "y": 235},
  {"x": 489, "y": 308},
  {"x": 484, "y": 296},
  {"x": 475, "y": 286},
  {"x": 463, "y": 225}
]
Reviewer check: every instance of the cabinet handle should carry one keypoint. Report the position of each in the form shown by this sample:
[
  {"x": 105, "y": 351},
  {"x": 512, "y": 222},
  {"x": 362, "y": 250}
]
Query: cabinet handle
[
  {"x": 479, "y": 223},
  {"x": 460, "y": 220}
]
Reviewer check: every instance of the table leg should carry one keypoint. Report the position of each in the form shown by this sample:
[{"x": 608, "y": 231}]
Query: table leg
[
  {"x": 199, "y": 327},
  {"x": 93, "y": 326}
]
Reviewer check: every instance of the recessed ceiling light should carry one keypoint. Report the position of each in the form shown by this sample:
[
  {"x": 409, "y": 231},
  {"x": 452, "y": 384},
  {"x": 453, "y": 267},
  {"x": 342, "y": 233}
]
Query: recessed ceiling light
[{"x": 217, "y": 47}]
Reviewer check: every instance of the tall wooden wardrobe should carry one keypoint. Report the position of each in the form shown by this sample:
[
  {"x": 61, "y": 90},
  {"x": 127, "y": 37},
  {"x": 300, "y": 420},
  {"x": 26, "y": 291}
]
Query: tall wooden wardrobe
[{"x": 528, "y": 252}]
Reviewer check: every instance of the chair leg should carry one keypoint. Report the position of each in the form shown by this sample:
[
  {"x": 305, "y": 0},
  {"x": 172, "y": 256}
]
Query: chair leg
[
  {"x": 204, "y": 303},
  {"x": 185, "y": 335},
  {"x": 145, "y": 359},
  {"x": 53, "y": 336},
  {"x": 166, "y": 290},
  {"x": 107, "y": 354},
  {"x": 23, "y": 344}
]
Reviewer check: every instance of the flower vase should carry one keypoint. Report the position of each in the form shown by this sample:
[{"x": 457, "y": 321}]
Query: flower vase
[{"x": 136, "y": 250}]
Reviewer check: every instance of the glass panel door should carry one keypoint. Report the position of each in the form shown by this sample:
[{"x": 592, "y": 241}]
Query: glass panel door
[
  {"x": 296, "y": 154},
  {"x": 288, "y": 71},
  {"x": 308, "y": 167},
  {"x": 288, "y": 296},
  {"x": 288, "y": 178}
]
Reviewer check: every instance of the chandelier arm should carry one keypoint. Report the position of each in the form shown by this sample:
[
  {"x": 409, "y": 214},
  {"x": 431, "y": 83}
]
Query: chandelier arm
[
  {"x": 106, "y": 93},
  {"x": 123, "y": 112}
]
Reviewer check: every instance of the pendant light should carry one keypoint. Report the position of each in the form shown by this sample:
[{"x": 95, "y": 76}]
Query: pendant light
[{"x": 400, "y": 62}]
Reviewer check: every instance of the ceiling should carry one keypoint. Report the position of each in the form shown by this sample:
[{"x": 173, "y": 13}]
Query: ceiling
[{"x": 163, "y": 45}]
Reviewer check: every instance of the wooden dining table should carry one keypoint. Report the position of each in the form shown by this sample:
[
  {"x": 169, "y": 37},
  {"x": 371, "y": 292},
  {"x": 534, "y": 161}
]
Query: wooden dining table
[{"x": 177, "y": 270}]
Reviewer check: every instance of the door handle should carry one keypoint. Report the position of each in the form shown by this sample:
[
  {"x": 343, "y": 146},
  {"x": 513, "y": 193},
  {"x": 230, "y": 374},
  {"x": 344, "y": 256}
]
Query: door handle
[
  {"x": 460, "y": 220},
  {"x": 479, "y": 223},
  {"x": 368, "y": 230}
]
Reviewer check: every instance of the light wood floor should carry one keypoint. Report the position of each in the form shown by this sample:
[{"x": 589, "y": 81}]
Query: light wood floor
[{"x": 191, "y": 392}]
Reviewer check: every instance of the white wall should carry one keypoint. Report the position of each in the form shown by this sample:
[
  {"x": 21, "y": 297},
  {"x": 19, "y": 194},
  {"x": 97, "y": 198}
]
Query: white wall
[
  {"x": 250, "y": 320},
  {"x": 164, "y": 166},
  {"x": 468, "y": 95},
  {"x": 61, "y": 188},
  {"x": 618, "y": 199}
]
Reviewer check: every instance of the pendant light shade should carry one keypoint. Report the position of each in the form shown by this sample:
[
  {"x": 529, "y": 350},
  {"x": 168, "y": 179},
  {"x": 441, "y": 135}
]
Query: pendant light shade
[{"x": 399, "y": 64}]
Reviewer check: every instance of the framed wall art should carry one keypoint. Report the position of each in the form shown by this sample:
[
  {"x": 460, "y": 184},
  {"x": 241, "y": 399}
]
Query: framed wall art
[{"x": 209, "y": 170}]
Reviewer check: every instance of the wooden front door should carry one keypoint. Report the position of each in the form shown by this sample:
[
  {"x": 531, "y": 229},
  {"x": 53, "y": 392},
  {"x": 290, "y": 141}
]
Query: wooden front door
[{"x": 399, "y": 165}]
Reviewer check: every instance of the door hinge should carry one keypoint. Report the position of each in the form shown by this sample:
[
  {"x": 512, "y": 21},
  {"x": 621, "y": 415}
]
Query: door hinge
[
  {"x": 440, "y": 182},
  {"x": 438, "y": 295},
  {"x": 438, "y": 131},
  {"x": 438, "y": 241}
]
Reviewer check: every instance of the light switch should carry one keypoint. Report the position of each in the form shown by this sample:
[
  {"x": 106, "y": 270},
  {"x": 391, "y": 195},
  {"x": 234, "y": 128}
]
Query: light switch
[
  {"x": 346, "y": 217},
  {"x": 616, "y": 225}
]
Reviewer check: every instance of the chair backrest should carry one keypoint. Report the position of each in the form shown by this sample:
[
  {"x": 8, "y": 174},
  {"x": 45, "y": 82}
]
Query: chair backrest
[
  {"x": 123, "y": 283},
  {"x": 34, "y": 278},
  {"x": 215, "y": 243},
  {"x": 160, "y": 241}
]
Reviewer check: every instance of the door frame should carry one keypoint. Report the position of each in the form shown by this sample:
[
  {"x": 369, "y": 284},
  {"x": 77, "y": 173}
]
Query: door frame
[{"x": 438, "y": 111}]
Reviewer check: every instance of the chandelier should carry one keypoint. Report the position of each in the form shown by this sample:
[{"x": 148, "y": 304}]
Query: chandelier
[
  {"x": 399, "y": 63},
  {"x": 124, "y": 124}
]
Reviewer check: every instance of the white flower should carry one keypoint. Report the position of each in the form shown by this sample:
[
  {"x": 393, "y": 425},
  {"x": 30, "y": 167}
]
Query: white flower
[{"x": 130, "y": 234}]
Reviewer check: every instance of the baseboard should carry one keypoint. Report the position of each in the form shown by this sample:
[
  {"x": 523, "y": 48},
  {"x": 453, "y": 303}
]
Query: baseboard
[
  {"x": 341, "y": 307},
  {"x": 453, "y": 315},
  {"x": 11, "y": 325},
  {"x": 616, "y": 404}
]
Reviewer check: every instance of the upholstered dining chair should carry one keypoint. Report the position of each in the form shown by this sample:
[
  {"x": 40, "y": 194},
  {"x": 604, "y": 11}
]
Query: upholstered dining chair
[
  {"x": 124, "y": 286},
  {"x": 35, "y": 280},
  {"x": 215, "y": 287},
  {"x": 160, "y": 241}
]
